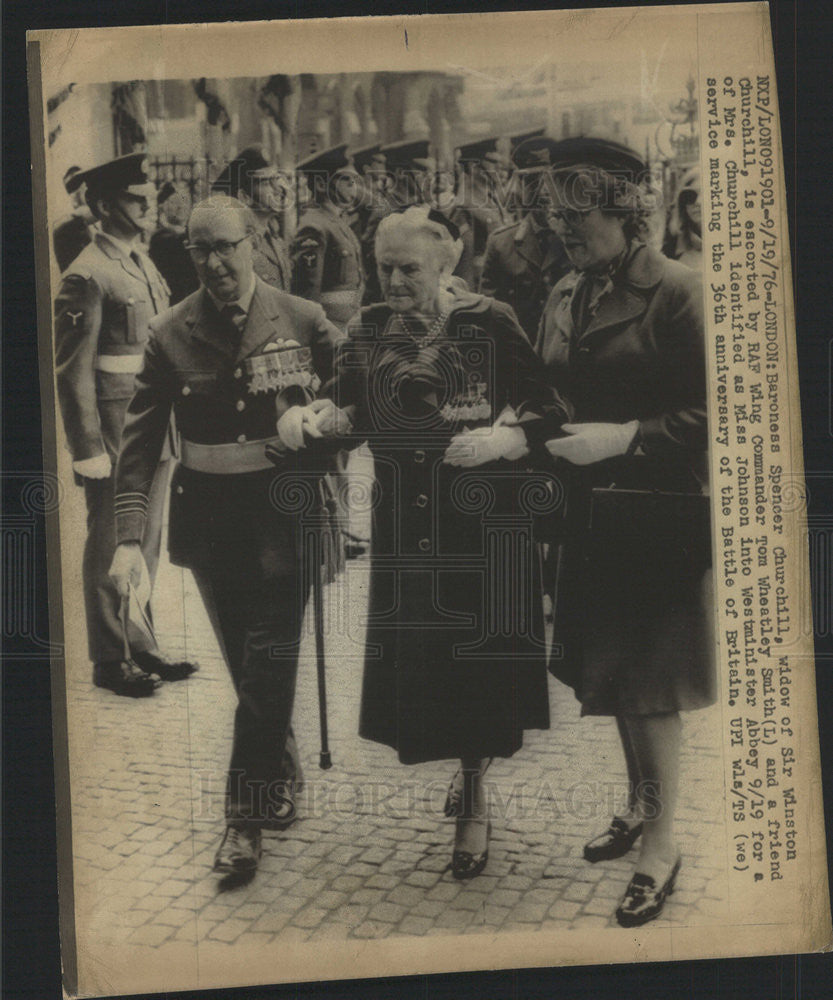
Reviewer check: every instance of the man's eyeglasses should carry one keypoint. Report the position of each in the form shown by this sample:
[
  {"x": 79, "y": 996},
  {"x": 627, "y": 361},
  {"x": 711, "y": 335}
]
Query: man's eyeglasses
[{"x": 223, "y": 248}]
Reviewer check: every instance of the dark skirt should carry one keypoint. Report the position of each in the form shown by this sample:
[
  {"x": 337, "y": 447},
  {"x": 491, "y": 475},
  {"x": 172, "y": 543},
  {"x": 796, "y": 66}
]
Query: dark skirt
[{"x": 635, "y": 635}]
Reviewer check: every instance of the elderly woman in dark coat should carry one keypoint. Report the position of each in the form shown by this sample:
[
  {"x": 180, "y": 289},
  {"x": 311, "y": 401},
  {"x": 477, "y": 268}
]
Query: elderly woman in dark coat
[
  {"x": 449, "y": 394},
  {"x": 622, "y": 339}
]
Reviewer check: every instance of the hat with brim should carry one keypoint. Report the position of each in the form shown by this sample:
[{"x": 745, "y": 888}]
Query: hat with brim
[
  {"x": 126, "y": 174},
  {"x": 409, "y": 154},
  {"x": 328, "y": 161}
]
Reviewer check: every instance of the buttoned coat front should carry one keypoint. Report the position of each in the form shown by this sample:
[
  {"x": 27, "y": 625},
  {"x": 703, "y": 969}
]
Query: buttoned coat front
[
  {"x": 637, "y": 640},
  {"x": 454, "y": 661}
]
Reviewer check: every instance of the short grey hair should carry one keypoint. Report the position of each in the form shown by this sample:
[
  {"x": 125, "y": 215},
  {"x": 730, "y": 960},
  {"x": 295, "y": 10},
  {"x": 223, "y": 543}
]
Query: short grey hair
[
  {"x": 416, "y": 221},
  {"x": 218, "y": 204}
]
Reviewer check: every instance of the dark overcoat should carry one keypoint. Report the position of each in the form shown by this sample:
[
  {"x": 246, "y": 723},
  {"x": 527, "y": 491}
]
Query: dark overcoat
[
  {"x": 455, "y": 651},
  {"x": 633, "y": 636}
]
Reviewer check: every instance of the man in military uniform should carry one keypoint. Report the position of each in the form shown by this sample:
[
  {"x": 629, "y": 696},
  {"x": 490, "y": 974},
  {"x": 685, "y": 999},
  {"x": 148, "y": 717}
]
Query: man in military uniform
[
  {"x": 107, "y": 298},
  {"x": 523, "y": 261},
  {"x": 167, "y": 245},
  {"x": 250, "y": 178},
  {"x": 229, "y": 362},
  {"x": 479, "y": 208},
  {"x": 72, "y": 233},
  {"x": 326, "y": 256}
]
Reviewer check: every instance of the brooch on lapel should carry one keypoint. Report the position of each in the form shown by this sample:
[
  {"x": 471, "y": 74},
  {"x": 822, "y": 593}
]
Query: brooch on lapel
[{"x": 283, "y": 363}]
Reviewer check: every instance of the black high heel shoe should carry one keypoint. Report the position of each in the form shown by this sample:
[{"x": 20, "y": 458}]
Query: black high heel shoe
[
  {"x": 454, "y": 798},
  {"x": 642, "y": 900},
  {"x": 615, "y": 842},
  {"x": 464, "y": 864}
]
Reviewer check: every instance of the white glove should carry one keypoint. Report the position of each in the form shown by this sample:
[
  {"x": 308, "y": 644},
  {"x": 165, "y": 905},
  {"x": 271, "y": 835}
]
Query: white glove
[
  {"x": 297, "y": 421},
  {"x": 329, "y": 419},
  {"x": 590, "y": 443},
  {"x": 99, "y": 467},
  {"x": 486, "y": 444},
  {"x": 128, "y": 567}
]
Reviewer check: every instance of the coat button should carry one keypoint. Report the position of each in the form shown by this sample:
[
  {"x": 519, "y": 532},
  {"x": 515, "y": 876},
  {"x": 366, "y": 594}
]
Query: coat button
[
  {"x": 424, "y": 544},
  {"x": 240, "y": 405},
  {"x": 419, "y": 456},
  {"x": 421, "y": 500},
  {"x": 238, "y": 373},
  {"x": 241, "y": 438},
  {"x": 180, "y": 490},
  {"x": 186, "y": 390}
]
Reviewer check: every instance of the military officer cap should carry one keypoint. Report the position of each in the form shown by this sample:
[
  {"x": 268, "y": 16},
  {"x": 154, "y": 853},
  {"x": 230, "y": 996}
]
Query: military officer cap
[
  {"x": 520, "y": 137},
  {"x": 409, "y": 154},
  {"x": 603, "y": 154},
  {"x": 69, "y": 185},
  {"x": 369, "y": 156},
  {"x": 480, "y": 151},
  {"x": 127, "y": 174},
  {"x": 329, "y": 161},
  {"x": 249, "y": 164},
  {"x": 534, "y": 152}
]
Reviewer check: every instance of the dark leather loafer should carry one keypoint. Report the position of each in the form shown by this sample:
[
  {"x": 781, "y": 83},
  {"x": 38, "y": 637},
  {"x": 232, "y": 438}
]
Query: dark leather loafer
[
  {"x": 125, "y": 677},
  {"x": 642, "y": 900},
  {"x": 239, "y": 850},
  {"x": 169, "y": 670},
  {"x": 615, "y": 842}
]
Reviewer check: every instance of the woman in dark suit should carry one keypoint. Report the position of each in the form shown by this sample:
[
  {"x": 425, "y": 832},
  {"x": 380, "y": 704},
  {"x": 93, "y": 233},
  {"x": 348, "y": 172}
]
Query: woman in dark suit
[
  {"x": 449, "y": 394},
  {"x": 622, "y": 340}
]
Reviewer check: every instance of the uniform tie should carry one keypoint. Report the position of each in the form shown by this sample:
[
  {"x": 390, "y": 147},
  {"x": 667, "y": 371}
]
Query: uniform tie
[
  {"x": 136, "y": 257},
  {"x": 235, "y": 314}
]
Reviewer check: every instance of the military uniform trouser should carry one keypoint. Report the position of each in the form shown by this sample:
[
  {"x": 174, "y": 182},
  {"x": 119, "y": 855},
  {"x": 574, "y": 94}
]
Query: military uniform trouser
[
  {"x": 101, "y": 600},
  {"x": 258, "y": 624}
]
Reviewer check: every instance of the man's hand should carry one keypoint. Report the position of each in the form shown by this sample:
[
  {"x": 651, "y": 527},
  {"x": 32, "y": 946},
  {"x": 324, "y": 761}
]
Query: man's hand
[
  {"x": 127, "y": 567},
  {"x": 295, "y": 423},
  {"x": 486, "y": 444},
  {"x": 99, "y": 467},
  {"x": 329, "y": 419},
  {"x": 588, "y": 443}
]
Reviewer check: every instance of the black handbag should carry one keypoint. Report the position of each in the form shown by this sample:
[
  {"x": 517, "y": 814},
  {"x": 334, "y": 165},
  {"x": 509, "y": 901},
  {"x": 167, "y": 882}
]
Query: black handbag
[{"x": 650, "y": 527}]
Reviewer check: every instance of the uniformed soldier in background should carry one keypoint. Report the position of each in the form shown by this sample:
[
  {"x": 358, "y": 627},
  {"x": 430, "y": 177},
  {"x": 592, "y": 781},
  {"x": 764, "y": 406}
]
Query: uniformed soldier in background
[
  {"x": 167, "y": 245},
  {"x": 523, "y": 261},
  {"x": 107, "y": 298},
  {"x": 326, "y": 256},
  {"x": 369, "y": 164},
  {"x": 250, "y": 178},
  {"x": 230, "y": 361},
  {"x": 72, "y": 233},
  {"x": 409, "y": 177},
  {"x": 479, "y": 209}
]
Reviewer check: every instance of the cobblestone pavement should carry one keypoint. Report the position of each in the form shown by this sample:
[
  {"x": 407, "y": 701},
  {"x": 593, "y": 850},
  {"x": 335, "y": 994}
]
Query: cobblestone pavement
[{"x": 367, "y": 857}]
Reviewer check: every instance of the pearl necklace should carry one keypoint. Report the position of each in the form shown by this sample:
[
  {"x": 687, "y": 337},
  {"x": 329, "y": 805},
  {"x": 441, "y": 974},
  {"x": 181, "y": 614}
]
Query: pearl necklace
[{"x": 431, "y": 334}]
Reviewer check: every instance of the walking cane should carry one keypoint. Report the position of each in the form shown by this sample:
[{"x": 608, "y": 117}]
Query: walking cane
[{"x": 324, "y": 760}]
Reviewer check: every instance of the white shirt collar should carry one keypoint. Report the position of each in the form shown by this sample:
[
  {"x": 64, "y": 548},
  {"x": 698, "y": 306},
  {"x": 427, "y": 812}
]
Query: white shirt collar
[{"x": 244, "y": 302}]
